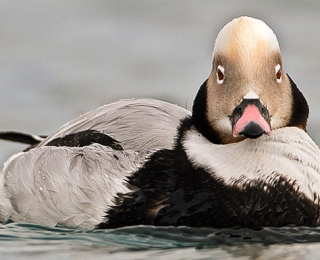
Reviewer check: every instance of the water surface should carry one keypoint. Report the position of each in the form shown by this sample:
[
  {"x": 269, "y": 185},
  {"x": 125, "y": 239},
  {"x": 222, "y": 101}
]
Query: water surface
[{"x": 27, "y": 241}]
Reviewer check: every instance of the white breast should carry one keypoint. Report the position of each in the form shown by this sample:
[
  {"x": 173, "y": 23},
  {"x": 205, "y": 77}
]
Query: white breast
[{"x": 289, "y": 152}]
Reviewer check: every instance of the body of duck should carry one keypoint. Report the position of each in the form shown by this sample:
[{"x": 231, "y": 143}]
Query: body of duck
[{"x": 243, "y": 158}]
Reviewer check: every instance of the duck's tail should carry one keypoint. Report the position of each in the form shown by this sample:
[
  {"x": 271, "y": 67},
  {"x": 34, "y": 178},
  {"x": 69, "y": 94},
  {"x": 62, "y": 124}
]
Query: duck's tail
[
  {"x": 22, "y": 137},
  {"x": 32, "y": 140}
]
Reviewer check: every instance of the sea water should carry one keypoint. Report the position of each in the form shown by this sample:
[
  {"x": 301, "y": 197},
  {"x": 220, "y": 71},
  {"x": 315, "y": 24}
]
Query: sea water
[{"x": 29, "y": 241}]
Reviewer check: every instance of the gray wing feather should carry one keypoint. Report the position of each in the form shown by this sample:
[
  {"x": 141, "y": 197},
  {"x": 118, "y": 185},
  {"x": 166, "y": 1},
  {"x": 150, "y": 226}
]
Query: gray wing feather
[
  {"x": 138, "y": 124},
  {"x": 74, "y": 186}
]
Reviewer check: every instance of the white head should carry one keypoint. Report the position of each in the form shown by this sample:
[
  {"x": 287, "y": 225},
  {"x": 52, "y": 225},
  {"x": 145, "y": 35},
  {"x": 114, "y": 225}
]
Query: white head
[
  {"x": 244, "y": 34},
  {"x": 247, "y": 65}
]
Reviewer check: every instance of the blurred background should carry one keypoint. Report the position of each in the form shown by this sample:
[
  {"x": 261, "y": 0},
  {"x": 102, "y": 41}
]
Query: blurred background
[{"x": 59, "y": 59}]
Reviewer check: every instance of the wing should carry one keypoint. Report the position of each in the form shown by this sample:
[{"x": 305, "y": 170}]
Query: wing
[
  {"x": 137, "y": 124},
  {"x": 70, "y": 186},
  {"x": 73, "y": 175},
  {"x": 140, "y": 124}
]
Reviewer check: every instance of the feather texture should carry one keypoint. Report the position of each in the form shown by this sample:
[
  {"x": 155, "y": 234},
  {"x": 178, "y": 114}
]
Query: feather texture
[
  {"x": 138, "y": 124},
  {"x": 74, "y": 186}
]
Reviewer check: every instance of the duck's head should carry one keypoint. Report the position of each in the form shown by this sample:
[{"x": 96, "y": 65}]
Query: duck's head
[{"x": 247, "y": 94}]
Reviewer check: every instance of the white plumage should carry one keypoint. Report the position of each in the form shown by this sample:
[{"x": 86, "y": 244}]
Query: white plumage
[
  {"x": 138, "y": 124},
  {"x": 287, "y": 152},
  {"x": 74, "y": 186}
]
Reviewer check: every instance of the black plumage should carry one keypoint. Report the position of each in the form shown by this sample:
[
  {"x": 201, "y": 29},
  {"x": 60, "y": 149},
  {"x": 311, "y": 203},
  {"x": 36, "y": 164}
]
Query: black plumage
[{"x": 169, "y": 191}]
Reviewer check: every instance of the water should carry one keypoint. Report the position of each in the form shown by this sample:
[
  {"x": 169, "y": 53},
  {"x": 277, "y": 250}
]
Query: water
[
  {"x": 59, "y": 59},
  {"x": 148, "y": 242}
]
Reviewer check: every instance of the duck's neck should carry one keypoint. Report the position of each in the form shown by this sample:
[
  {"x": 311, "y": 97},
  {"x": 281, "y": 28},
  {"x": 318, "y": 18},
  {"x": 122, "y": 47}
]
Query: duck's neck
[
  {"x": 199, "y": 116},
  {"x": 300, "y": 108}
]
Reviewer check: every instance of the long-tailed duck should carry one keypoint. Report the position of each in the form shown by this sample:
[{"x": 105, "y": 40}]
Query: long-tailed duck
[{"x": 243, "y": 158}]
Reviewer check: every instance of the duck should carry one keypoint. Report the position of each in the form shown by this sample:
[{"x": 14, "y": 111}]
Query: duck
[{"x": 243, "y": 157}]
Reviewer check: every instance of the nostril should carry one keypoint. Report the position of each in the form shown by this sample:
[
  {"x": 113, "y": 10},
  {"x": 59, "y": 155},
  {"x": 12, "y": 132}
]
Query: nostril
[
  {"x": 236, "y": 114},
  {"x": 238, "y": 109},
  {"x": 264, "y": 111}
]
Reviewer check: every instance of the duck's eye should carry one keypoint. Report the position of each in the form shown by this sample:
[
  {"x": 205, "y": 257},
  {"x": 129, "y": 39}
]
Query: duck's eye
[
  {"x": 220, "y": 74},
  {"x": 278, "y": 73}
]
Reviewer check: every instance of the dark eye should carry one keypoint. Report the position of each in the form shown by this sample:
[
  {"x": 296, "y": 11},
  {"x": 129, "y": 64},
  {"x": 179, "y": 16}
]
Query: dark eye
[
  {"x": 220, "y": 74},
  {"x": 278, "y": 73}
]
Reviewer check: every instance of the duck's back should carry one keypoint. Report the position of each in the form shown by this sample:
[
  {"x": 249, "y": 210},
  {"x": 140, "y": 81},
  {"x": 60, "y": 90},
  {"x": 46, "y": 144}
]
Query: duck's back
[
  {"x": 74, "y": 185},
  {"x": 138, "y": 124}
]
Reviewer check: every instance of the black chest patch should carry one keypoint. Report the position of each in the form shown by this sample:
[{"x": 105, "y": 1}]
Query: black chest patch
[{"x": 169, "y": 191}]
